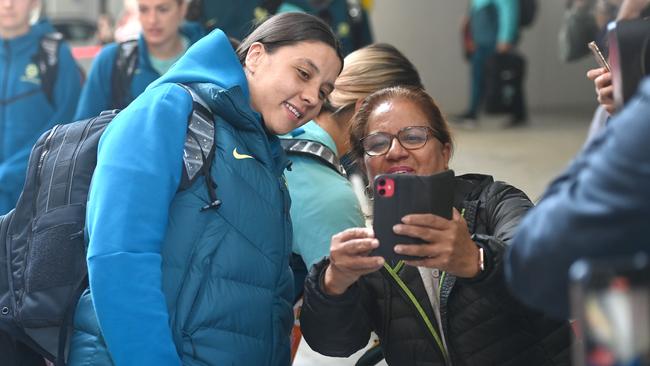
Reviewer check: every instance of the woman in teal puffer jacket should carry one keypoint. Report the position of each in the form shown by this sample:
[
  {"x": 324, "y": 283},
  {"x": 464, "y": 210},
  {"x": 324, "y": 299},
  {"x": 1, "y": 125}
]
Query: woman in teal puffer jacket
[{"x": 171, "y": 283}]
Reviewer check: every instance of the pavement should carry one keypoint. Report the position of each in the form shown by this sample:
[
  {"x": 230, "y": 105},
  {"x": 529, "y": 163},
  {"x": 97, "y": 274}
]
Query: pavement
[{"x": 527, "y": 157}]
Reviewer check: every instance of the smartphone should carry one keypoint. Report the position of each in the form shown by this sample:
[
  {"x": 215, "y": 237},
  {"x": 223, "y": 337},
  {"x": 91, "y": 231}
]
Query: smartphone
[
  {"x": 397, "y": 195},
  {"x": 610, "y": 301},
  {"x": 598, "y": 55}
]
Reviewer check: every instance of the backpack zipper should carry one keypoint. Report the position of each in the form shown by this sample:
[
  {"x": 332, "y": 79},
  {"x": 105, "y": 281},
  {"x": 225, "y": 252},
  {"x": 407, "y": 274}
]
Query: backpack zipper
[
  {"x": 84, "y": 136},
  {"x": 46, "y": 150},
  {"x": 39, "y": 166}
]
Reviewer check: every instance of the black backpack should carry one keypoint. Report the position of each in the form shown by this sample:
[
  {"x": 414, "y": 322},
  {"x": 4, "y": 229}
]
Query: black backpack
[
  {"x": 527, "y": 12},
  {"x": 47, "y": 61},
  {"x": 314, "y": 150},
  {"x": 126, "y": 62},
  {"x": 43, "y": 255}
]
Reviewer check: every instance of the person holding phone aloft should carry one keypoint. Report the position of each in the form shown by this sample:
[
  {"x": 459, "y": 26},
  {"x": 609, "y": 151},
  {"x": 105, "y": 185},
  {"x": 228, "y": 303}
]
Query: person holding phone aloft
[
  {"x": 452, "y": 305},
  {"x": 602, "y": 78}
]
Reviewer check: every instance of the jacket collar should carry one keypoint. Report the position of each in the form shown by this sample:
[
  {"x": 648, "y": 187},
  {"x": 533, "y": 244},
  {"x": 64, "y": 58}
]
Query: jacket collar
[{"x": 232, "y": 105}]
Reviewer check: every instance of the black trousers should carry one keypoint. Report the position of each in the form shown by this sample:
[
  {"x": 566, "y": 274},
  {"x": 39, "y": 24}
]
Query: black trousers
[{"x": 14, "y": 353}]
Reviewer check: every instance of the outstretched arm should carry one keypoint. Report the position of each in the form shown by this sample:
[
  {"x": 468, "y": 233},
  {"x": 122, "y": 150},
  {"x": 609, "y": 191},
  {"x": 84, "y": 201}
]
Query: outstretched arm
[{"x": 598, "y": 207}]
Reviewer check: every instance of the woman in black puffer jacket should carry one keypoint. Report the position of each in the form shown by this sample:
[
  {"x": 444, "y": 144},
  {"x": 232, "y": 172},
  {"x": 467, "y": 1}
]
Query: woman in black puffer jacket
[{"x": 451, "y": 307}]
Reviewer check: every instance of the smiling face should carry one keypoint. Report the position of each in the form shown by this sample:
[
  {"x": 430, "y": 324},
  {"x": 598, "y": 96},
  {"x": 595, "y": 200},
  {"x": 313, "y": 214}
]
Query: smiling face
[
  {"x": 288, "y": 86},
  {"x": 14, "y": 17},
  {"x": 391, "y": 116},
  {"x": 160, "y": 20}
]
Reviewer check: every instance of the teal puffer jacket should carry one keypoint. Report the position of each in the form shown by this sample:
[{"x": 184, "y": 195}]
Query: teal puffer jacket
[{"x": 171, "y": 284}]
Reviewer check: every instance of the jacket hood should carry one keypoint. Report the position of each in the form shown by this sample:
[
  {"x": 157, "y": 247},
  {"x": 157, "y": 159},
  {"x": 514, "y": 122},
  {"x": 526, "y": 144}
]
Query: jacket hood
[{"x": 210, "y": 60}]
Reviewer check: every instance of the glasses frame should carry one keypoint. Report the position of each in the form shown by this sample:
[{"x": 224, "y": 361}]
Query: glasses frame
[{"x": 430, "y": 132}]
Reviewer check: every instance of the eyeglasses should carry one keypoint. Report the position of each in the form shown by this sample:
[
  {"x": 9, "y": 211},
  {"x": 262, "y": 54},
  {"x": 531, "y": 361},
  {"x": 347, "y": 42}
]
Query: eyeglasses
[{"x": 411, "y": 138}]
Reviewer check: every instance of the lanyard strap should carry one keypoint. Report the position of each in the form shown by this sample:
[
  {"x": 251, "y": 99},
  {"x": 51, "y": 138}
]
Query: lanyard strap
[{"x": 423, "y": 315}]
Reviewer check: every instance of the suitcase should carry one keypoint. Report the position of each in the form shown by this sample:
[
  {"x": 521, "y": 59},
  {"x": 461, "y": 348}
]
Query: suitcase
[{"x": 504, "y": 77}]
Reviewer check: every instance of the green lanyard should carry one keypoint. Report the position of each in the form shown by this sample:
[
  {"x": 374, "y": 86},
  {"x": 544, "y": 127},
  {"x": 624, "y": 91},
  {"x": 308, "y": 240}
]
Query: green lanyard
[
  {"x": 423, "y": 315},
  {"x": 394, "y": 274}
]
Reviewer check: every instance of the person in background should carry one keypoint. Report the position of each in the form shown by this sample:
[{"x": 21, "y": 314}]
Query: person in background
[
  {"x": 317, "y": 216},
  {"x": 629, "y": 9},
  {"x": 105, "y": 33},
  {"x": 451, "y": 306},
  {"x": 585, "y": 21},
  {"x": 32, "y": 102},
  {"x": 494, "y": 27},
  {"x": 348, "y": 18},
  {"x": 35, "y": 95},
  {"x": 597, "y": 208},
  {"x": 122, "y": 71},
  {"x": 235, "y": 18},
  {"x": 201, "y": 276}
]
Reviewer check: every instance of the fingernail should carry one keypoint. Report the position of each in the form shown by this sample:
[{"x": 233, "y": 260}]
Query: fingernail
[
  {"x": 397, "y": 228},
  {"x": 398, "y": 249}
]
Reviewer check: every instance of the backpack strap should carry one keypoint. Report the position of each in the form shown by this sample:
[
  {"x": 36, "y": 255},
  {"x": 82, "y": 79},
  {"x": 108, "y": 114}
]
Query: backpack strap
[
  {"x": 126, "y": 62},
  {"x": 47, "y": 60},
  {"x": 198, "y": 151},
  {"x": 315, "y": 150}
]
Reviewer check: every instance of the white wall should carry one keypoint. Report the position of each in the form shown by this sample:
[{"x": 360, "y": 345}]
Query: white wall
[
  {"x": 427, "y": 31},
  {"x": 85, "y": 9}
]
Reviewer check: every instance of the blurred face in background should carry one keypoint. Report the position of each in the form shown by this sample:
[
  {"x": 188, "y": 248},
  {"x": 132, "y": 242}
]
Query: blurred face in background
[
  {"x": 15, "y": 16},
  {"x": 160, "y": 20}
]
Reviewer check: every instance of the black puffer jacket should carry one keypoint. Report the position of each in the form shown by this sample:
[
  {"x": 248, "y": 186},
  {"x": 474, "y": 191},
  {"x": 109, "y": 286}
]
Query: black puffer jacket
[{"x": 483, "y": 324}]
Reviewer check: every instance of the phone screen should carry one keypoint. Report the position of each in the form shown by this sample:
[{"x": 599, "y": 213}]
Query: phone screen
[{"x": 611, "y": 305}]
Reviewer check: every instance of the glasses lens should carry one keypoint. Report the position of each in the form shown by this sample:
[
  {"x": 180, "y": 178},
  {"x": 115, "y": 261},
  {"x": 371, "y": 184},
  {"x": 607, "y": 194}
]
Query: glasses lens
[
  {"x": 376, "y": 143},
  {"x": 413, "y": 137}
]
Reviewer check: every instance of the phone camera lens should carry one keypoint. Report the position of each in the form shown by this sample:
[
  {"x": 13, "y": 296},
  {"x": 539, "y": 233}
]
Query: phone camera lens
[
  {"x": 382, "y": 192},
  {"x": 381, "y": 182}
]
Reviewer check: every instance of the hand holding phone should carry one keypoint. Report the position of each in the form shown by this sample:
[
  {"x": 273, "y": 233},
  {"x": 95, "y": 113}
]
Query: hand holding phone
[
  {"x": 350, "y": 259},
  {"x": 398, "y": 195}
]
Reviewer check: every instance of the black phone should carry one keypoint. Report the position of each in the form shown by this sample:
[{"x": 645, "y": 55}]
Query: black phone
[
  {"x": 398, "y": 195},
  {"x": 610, "y": 301}
]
